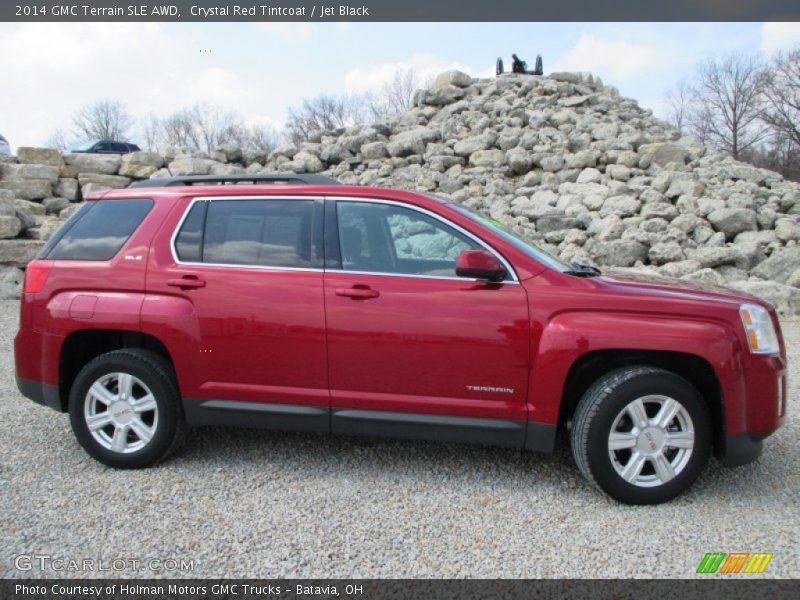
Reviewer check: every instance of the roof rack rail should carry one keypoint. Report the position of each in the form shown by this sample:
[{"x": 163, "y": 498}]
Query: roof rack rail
[{"x": 236, "y": 179}]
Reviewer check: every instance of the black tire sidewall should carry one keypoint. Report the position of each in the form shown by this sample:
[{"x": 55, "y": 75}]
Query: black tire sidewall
[
  {"x": 166, "y": 402},
  {"x": 600, "y": 465}
]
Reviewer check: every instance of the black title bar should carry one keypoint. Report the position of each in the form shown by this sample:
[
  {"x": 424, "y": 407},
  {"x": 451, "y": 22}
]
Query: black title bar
[
  {"x": 731, "y": 588},
  {"x": 399, "y": 10}
]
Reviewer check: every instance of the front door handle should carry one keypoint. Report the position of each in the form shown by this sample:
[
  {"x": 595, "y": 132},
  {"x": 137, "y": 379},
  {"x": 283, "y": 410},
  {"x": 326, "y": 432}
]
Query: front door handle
[
  {"x": 187, "y": 282},
  {"x": 358, "y": 292}
]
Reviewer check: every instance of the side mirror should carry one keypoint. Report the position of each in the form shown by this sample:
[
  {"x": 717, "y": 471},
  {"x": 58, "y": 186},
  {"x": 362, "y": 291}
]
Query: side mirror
[{"x": 480, "y": 264}]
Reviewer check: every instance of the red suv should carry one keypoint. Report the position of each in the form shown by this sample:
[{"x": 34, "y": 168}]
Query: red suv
[{"x": 292, "y": 302}]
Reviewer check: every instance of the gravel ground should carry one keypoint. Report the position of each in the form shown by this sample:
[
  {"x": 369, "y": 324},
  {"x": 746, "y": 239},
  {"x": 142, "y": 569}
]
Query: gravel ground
[{"x": 262, "y": 504}]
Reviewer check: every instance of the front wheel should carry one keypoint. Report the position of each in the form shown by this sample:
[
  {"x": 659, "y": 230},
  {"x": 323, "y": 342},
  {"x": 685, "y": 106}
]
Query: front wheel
[
  {"x": 642, "y": 434},
  {"x": 125, "y": 409}
]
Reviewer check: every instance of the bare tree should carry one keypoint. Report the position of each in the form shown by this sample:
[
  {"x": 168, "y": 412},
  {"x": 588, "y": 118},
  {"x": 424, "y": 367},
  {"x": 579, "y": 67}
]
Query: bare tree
[
  {"x": 57, "y": 140},
  {"x": 261, "y": 138},
  {"x": 727, "y": 99},
  {"x": 677, "y": 100},
  {"x": 396, "y": 95},
  {"x": 203, "y": 127},
  {"x": 178, "y": 130},
  {"x": 151, "y": 132},
  {"x": 323, "y": 113},
  {"x": 782, "y": 98},
  {"x": 103, "y": 120}
]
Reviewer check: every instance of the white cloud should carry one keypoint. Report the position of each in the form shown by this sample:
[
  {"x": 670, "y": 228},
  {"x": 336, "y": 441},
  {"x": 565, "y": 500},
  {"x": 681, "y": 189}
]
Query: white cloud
[
  {"x": 426, "y": 66},
  {"x": 57, "y": 68},
  {"x": 613, "y": 59},
  {"x": 779, "y": 36}
]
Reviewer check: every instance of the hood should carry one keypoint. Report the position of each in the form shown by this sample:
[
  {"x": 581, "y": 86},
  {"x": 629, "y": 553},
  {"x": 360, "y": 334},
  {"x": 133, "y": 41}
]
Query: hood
[{"x": 670, "y": 287}]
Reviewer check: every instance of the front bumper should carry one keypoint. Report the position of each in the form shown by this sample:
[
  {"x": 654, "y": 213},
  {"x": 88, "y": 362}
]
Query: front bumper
[
  {"x": 41, "y": 393},
  {"x": 741, "y": 449}
]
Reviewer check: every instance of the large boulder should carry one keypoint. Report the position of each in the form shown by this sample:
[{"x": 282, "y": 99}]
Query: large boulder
[
  {"x": 619, "y": 253},
  {"x": 188, "y": 165},
  {"x": 15, "y": 172},
  {"x": 487, "y": 158},
  {"x": 227, "y": 153},
  {"x": 68, "y": 188},
  {"x": 10, "y": 227},
  {"x": 140, "y": 165},
  {"x": 28, "y": 189},
  {"x": 780, "y": 266},
  {"x": 453, "y": 77},
  {"x": 108, "y": 181},
  {"x": 716, "y": 256},
  {"x": 106, "y": 164},
  {"x": 411, "y": 141},
  {"x": 39, "y": 156},
  {"x": 732, "y": 221},
  {"x": 444, "y": 95},
  {"x": 374, "y": 150},
  {"x": 18, "y": 253},
  {"x": 664, "y": 153}
]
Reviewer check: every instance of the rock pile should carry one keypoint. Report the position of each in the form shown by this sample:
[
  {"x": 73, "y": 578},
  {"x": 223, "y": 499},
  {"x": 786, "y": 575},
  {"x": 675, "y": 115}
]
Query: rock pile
[{"x": 563, "y": 160}]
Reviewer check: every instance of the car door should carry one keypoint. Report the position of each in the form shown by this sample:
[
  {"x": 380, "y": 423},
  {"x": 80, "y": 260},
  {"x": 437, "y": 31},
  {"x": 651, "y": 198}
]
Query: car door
[
  {"x": 413, "y": 350},
  {"x": 251, "y": 269}
]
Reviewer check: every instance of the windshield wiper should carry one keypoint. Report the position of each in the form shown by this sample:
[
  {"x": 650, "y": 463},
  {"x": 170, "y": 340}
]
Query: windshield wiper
[{"x": 583, "y": 270}]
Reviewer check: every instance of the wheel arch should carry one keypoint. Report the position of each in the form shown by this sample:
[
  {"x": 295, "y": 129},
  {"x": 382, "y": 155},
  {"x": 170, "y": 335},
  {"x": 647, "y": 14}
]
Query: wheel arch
[
  {"x": 590, "y": 366},
  {"x": 83, "y": 345}
]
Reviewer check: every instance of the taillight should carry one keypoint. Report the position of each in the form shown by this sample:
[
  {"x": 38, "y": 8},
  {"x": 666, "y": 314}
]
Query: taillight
[{"x": 36, "y": 274}]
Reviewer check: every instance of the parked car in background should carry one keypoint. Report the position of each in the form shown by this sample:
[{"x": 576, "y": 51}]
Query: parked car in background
[
  {"x": 294, "y": 302},
  {"x": 5, "y": 147},
  {"x": 105, "y": 147}
]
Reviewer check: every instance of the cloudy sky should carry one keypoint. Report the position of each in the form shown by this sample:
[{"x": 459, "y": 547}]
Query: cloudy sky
[{"x": 50, "y": 70}]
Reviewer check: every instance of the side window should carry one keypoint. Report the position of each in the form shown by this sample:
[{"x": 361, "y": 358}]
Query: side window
[
  {"x": 100, "y": 231},
  {"x": 384, "y": 238},
  {"x": 189, "y": 241},
  {"x": 270, "y": 233},
  {"x": 103, "y": 147}
]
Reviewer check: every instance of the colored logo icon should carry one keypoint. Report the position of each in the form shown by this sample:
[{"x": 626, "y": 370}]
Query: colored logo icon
[{"x": 736, "y": 562}]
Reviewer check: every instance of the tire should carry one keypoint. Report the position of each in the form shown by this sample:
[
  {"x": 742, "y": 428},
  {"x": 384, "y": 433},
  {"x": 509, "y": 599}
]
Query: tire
[
  {"x": 133, "y": 430},
  {"x": 651, "y": 457}
]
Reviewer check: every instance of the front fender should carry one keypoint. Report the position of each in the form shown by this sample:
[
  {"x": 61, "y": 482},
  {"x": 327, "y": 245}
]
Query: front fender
[{"x": 568, "y": 336}]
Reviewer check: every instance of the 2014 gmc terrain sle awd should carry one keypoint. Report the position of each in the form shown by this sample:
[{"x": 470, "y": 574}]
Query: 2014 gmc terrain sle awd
[{"x": 291, "y": 302}]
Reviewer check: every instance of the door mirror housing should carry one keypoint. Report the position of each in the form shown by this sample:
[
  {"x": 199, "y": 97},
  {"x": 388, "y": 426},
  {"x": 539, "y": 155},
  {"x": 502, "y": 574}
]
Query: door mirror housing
[{"x": 480, "y": 264}]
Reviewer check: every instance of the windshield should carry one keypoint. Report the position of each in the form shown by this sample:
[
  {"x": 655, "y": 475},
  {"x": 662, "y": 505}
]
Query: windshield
[
  {"x": 527, "y": 247},
  {"x": 82, "y": 147}
]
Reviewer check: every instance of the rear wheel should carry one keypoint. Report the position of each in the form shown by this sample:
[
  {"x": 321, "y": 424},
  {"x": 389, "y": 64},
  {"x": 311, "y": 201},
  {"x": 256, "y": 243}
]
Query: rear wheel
[
  {"x": 125, "y": 409},
  {"x": 642, "y": 434}
]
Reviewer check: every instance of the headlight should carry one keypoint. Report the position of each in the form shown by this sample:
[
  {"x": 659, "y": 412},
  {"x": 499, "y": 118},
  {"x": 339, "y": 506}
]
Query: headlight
[{"x": 759, "y": 329}]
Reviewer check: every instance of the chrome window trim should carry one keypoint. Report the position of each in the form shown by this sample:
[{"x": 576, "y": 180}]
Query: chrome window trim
[
  {"x": 480, "y": 242},
  {"x": 174, "y": 238},
  {"x": 473, "y": 237}
]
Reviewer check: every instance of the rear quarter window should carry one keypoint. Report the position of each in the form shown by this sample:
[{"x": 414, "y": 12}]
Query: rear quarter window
[{"x": 97, "y": 231}]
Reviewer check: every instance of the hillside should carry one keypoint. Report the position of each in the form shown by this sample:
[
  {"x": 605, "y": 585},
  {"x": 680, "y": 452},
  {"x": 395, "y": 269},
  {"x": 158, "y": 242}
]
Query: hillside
[{"x": 564, "y": 160}]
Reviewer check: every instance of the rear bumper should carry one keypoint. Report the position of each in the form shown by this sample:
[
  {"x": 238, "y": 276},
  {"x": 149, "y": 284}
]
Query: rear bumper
[{"x": 41, "y": 393}]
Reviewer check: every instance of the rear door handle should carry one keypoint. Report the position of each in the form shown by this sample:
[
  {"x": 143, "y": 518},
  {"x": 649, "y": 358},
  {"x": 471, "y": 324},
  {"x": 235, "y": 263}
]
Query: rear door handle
[
  {"x": 358, "y": 293},
  {"x": 187, "y": 282}
]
